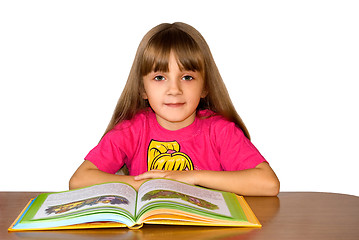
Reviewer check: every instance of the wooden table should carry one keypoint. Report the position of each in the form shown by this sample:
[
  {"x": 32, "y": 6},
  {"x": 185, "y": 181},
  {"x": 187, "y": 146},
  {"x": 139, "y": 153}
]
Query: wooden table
[{"x": 288, "y": 216}]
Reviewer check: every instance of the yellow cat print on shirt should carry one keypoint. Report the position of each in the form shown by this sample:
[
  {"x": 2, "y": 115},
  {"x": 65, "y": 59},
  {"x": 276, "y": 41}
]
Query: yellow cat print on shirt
[{"x": 167, "y": 156}]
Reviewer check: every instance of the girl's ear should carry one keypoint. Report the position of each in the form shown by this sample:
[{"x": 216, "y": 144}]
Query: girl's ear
[
  {"x": 144, "y": 95},
  {"x": 204, "y": 93}
]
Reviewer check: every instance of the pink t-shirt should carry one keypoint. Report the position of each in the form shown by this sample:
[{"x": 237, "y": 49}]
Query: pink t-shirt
[{"x": 209, "y": 143}]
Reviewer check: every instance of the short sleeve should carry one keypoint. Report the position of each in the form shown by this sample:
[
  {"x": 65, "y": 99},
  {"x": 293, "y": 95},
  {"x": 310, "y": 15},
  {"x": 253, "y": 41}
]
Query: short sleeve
[
  {"x": 107, "y": 156},
  {"x": 236, "y": 151}
]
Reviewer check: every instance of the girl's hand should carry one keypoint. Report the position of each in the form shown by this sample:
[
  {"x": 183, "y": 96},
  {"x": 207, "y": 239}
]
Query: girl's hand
[{"x": 182, "y": 176}]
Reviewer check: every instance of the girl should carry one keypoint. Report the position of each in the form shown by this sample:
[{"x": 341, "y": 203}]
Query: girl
[{"x": 175, "y": 114}]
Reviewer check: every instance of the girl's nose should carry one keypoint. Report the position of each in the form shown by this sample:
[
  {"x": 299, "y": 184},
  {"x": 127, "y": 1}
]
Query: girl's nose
[{"x": 174, "y": 87}]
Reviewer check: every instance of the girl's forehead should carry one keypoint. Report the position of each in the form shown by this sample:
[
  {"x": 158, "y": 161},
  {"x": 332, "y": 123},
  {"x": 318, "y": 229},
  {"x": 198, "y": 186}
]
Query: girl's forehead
[
  {"x": 173, "y": 62},
  {"x": 159, "y": 61}
]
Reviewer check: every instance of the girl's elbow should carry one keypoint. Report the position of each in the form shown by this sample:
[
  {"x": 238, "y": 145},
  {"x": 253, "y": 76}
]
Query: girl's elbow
[
  {"x": 75, "y": 182},
  {"x": 72, "y": 183},
  {"x": 273, "y": 188}
]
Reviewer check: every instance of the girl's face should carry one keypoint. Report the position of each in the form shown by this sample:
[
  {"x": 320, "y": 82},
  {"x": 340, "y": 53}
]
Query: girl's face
[{"x": 174, "y": 95}]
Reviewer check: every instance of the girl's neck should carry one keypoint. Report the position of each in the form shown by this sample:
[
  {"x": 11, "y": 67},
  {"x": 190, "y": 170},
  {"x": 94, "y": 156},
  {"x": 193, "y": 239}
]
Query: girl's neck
[{"x": 174, "y": 126}]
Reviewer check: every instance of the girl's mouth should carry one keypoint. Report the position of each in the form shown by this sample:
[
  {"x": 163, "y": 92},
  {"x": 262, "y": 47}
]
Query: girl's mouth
[{"x": 174, "y": 105}]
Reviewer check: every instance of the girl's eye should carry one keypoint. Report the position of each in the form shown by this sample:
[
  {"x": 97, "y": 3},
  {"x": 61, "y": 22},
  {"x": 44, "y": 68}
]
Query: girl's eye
[
  {"x": 187, "y": 78},
  {"x": 159, "y": 78}
]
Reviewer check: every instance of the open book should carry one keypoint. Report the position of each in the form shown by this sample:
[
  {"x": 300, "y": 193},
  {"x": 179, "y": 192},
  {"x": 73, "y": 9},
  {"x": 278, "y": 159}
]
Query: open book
[{"x": 158, "y": 201}]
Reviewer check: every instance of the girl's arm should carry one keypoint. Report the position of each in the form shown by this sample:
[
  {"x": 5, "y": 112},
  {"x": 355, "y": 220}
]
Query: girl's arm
[
  {"x": 259, "y": 181},
  {"x": 88, "y": 174}
]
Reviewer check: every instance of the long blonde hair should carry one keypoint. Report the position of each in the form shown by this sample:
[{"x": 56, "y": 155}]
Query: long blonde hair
[{"x": 193, "y": 54}]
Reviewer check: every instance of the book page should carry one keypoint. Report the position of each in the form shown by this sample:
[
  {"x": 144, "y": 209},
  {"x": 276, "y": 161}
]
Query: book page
[
  {"x": 158, "y": 190},
  {"x": 103, "y": 195}
]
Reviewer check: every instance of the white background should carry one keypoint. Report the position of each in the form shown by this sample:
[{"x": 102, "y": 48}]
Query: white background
[{"x": 291, "y": 67}]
